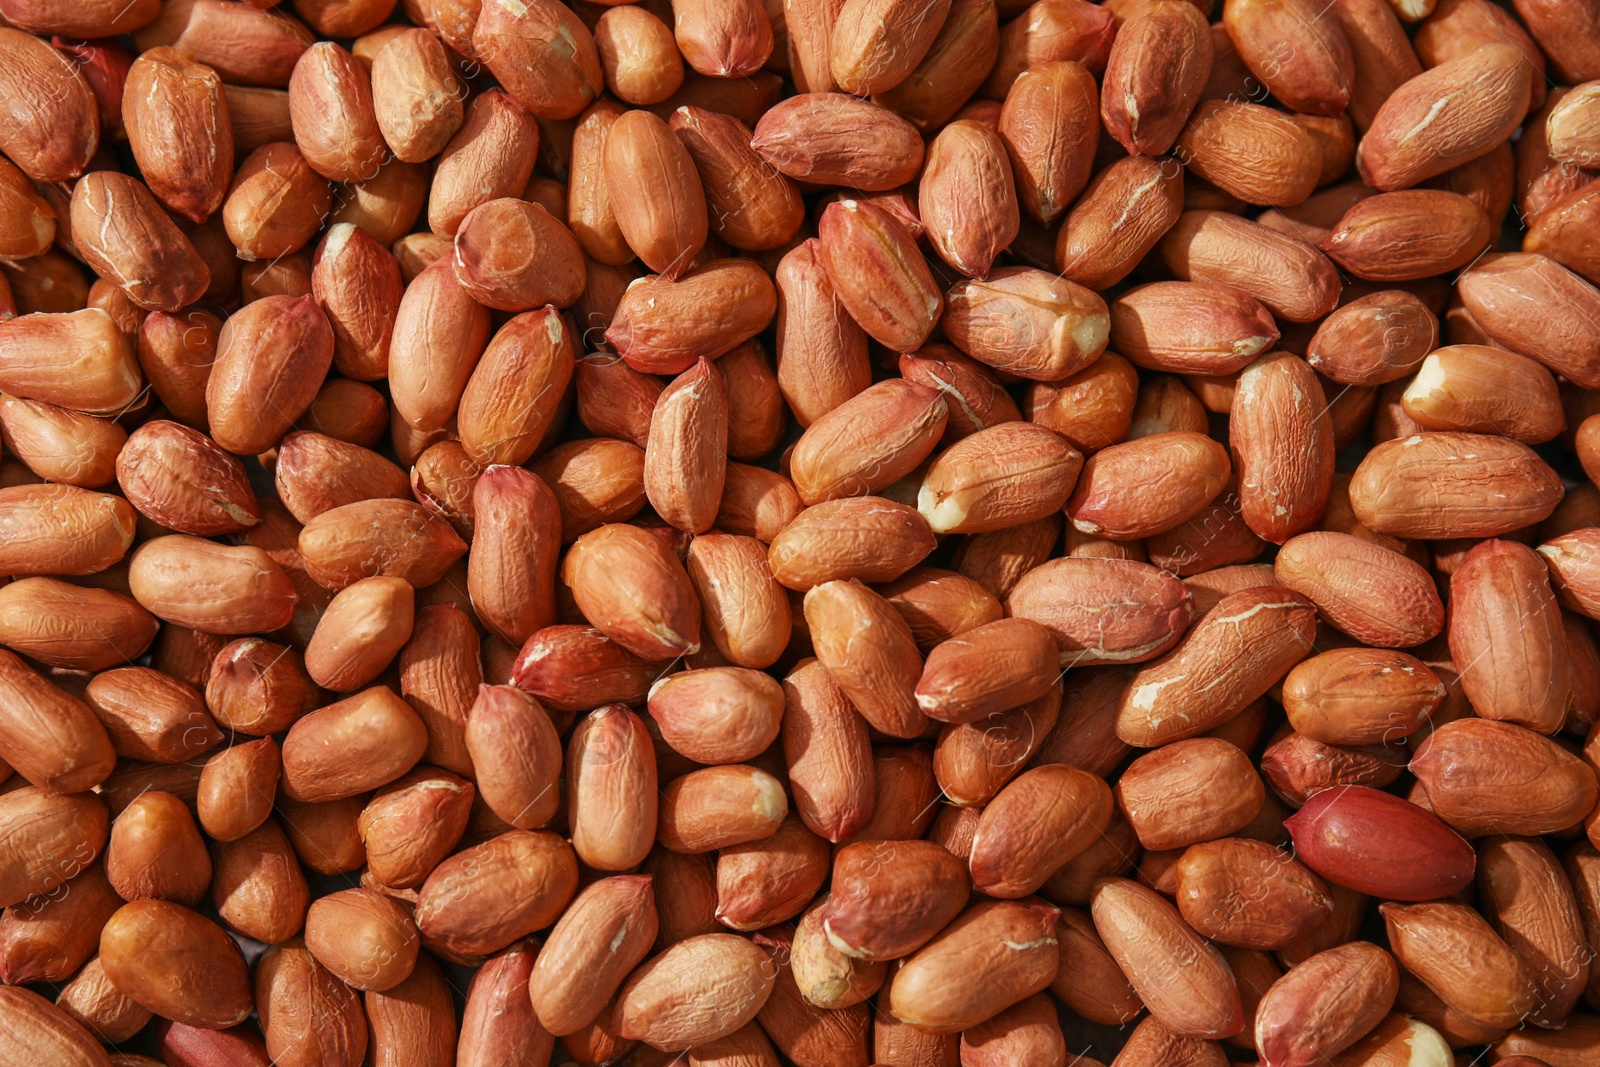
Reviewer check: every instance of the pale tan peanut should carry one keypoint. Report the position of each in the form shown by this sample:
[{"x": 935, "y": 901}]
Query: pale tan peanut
[
  {"x": 1281, "y": 436},
  {"x": 483, "y": 898},
  {"x": 1120, "y": 217},
  {"x": 1013, "y": 947},
  {"x": 1182, "y": 980},
  {"x": 834, "y": 139},
  {"x": 1506, "y": 635},
  {"x": 1326, "y": 1004},
  {"x": 825, "y": 977},
  {"x": 611, "y": 789},
  {"x": 1458, "y": 468},
  {"x": 415, "y": 96},
  {"x": 603, "y": 935},
  {"x": 869, "y": 652},
  {"x": 365, "y": 939},
  {"x": 1247, "y": 642},
  {"x": 307, "y": 1014},
  {"x": 542, "y": 54},
  {"x": 100, "y": 375},
  {"x": 1476, "y": 389},
  {"x": 1257, "y": 154},
  {"x": 720, "y": 806},
  {"x": 151, "y": 948},
  {"x": 828, "y": 753},
  {"x": 1249, "y": 894},
  {"x": 1155, "y": 73},
  {"x": 1445, "y": 116},
  {"x": 698, "y": 990},
  {"x": 1521, "y": 782},
  {"x": 1356, "y": 696},
  {"x": 211, "y": 587},
  {"x": 1190, "y": 791},
  {"x": 1290, "y": 276},
  {"x": 988, "y": 669},
  {"x": 878, "y": 274},
  {"x": 663, "y": 324},
  {"x": 360, "y": 632},
  {"x": 1190, "y": 328},
  {"x": 1039, "y": 821},
  {"x": 1455, "y": 953},
  {"x": 350, "y": 746},
  {"x": 1049, "y": 129},
  {"x": 889, "y": 898},
  {"x": 666, "y": 229},
  {"x": 717, "y": 714},
  {"x": 1124, "y": 490}
]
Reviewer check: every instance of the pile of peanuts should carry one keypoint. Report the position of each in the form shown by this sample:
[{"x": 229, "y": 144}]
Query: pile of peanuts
[{"x": 915, "y": 533}]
